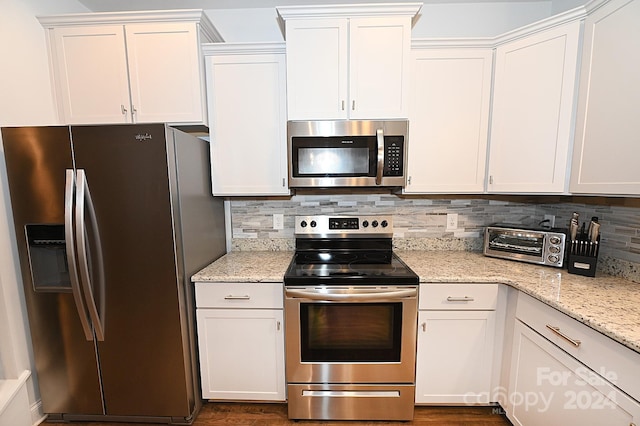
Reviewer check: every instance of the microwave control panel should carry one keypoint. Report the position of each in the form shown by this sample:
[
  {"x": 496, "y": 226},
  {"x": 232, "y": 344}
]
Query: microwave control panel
[{"x": 393, "y": 155}]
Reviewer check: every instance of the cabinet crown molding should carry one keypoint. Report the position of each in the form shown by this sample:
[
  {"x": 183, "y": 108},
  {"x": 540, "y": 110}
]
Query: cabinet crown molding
[
  {"x": 243, "y": 48},
  {"x": 141, "y": 16},
  {"x": 348, "y": 10}
]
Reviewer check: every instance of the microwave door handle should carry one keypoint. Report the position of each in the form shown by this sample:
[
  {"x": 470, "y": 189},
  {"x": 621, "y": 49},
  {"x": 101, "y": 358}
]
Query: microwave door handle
[
  {"x": 69, "y": 195},
  {"x": 380, "y": 139}
]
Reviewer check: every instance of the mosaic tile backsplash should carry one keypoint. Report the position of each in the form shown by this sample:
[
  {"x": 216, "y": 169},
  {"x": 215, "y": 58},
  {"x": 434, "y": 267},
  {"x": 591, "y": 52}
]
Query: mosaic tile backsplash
[{"x": 420, "y": 223}]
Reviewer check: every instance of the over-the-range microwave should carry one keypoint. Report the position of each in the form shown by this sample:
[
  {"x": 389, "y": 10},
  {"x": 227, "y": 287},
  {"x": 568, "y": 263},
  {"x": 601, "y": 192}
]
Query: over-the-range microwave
[{"x": 347, "y": 153}]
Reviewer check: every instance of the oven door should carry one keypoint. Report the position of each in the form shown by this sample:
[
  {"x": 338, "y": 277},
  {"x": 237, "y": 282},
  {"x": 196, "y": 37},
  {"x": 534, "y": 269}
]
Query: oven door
[{"x": 351, "y": 334}]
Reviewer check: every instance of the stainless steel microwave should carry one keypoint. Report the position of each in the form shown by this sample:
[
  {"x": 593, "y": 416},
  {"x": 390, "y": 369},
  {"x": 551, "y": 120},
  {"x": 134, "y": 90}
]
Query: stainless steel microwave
[
  {"x": 345, "y": 153},
  {"x": 542, "y": 246}
]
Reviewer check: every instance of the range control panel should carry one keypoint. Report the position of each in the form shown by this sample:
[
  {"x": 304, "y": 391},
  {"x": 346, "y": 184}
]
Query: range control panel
[{"x": 380, "y": 225}]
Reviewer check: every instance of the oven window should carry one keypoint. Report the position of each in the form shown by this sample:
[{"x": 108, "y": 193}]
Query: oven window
[{"x": 356, "y": 332}]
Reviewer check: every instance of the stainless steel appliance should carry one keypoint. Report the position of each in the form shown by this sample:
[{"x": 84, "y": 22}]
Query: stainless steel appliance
[
  {"x": 111, "y": 222},
  {"x": 533, "y": 245},
  {"x": 347, "y": 153},
  {"x": 350, "y": 320}
]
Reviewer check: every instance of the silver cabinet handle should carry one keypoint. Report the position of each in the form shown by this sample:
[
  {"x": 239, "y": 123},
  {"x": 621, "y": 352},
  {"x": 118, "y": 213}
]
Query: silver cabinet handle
[
  {"x": 88, "y": 281},
  {"x": 353, "y": 105},
  {"x": 278, "y": 325},
  {"x": 460, "y": 299},
  {"x": 557, "y": 331},
  {"x": 424, "y": 326},
  {"x": 380, "y": 138},
  {"x": 343, "y": 105},
  {"x": 232, "y": 297},
  {"x": 123, "y": 109},
  {"x": 69, "y": 230}
]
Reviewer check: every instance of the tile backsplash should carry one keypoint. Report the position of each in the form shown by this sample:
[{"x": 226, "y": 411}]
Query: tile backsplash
[{"x": 420, "y": 222}]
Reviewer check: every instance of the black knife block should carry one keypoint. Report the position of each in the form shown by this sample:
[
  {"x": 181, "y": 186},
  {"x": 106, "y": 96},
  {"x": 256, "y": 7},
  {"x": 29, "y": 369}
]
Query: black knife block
[{"x": 582, "y": 260}]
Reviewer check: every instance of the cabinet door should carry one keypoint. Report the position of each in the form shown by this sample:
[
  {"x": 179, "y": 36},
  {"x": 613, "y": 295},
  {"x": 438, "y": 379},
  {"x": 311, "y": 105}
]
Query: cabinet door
[
  {"x": 455, "y": 357},
  {"x": 449, "y": 120},
  {"x": 90, "y": 72},
  {"x": 606, "y": 151},
  {"x": 248, "y": 124},
  {"x": 532, "y": 112},
  {"x": 317, "y": 69},
  {"x": 379, "y": 50},
  {"x": 241, "y": 354},
  {"x": 165, "y": 72},
  {"x": 549, "y": 387}
]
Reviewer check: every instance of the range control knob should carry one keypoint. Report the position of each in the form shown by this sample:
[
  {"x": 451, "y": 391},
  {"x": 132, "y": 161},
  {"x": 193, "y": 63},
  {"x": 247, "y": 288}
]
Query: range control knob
[
  {"x": 384, "y": 223},
  {"x": 313, "y": 223},
  {"x": 553, "y": 258},
  {"x": 374, "y": 223},
  {"x": 303, "y": 224},
  {"x": 365, "y": 223}
]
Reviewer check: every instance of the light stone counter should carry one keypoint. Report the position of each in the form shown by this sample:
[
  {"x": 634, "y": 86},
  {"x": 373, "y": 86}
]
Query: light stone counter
[
  {"x": 247, "y": 267},
  {"x": 605, "y": 303}
]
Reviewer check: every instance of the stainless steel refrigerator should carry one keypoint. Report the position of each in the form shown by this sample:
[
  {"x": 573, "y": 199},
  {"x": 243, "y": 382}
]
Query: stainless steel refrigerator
[{"x": 111, "y": 222}]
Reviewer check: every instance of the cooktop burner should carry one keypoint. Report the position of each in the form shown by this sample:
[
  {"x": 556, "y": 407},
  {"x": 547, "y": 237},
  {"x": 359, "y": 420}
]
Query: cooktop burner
[{"x": 346, "y": 250}]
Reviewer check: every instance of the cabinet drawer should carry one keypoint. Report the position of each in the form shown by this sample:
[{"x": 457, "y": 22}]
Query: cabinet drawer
[
  {"x": 239, "y": 295},
  {"x": 612, "y": 360},
  {"x": 458, "y": 296}
]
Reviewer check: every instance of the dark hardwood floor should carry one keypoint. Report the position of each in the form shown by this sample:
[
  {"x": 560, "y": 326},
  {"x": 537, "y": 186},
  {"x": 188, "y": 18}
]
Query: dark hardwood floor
[{"x": 214, "y": 413}]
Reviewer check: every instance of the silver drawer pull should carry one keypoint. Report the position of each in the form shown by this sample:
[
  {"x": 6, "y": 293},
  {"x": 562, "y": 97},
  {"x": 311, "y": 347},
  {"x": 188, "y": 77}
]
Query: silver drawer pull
[
  {"x": 557, "y": 331},
  {"x": 232, "y": 297},
  {"x": 460, "y": 299}
]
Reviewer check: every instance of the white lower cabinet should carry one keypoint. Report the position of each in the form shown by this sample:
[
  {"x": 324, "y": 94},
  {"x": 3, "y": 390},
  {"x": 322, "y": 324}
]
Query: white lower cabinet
[
  {"x": 548, "y": 386},
  {"x": 456, "y": 339},
  {"x": 241, "y": 341}
]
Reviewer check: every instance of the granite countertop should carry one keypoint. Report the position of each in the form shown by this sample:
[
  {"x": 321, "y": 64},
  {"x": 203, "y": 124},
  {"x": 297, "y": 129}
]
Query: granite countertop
[
  {"x": 247, "y": 267},
  {"x": 608, "y": 304}
]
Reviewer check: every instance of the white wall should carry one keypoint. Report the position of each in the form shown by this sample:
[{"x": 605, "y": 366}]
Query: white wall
[
  {"x": 487, "y": 19},
  {"x": 26, "y": 99}
]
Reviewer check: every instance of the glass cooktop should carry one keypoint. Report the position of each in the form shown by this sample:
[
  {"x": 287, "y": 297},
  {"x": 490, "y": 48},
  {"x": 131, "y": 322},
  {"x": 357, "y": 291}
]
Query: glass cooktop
[{"x": 348, "y": 268}]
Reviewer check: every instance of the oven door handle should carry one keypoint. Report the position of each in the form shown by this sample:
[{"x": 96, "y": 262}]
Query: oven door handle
[{"x": 354, "y": 297}]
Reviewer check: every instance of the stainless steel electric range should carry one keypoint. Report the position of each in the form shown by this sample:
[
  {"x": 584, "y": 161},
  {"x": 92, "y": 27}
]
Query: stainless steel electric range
[{"x": 350, "y": 318}]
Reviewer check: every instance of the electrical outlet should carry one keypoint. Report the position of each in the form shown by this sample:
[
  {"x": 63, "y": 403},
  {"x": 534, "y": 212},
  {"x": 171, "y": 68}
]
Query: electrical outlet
[
  {"x": 278, "y": 221},
  {"x": 551, "y": 218},
  {"x": 452, "y": 221}
]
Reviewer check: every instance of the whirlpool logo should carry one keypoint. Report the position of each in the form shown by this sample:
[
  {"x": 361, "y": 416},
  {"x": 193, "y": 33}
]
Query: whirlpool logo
[{"x": 143, "y": 137}]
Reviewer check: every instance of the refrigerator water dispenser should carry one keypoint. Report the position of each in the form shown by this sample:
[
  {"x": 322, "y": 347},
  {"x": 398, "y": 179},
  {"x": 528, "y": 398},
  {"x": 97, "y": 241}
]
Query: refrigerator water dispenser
[{"x": 48, "y": 257}]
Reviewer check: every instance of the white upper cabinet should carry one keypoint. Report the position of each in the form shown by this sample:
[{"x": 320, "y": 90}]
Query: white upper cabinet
[
  {"x": 129, "y": 67},
  {"x": 533, "y": 104},
  {"x": 348, "y": 61},
  {"x": 607, "y": 148},
  {"x": 449, "y": 118},
  {"x": 246, "y": 91}
]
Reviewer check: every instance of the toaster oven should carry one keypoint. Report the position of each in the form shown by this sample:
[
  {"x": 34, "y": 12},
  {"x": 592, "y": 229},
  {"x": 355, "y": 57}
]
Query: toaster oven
[{"x": 533, "y": 245}]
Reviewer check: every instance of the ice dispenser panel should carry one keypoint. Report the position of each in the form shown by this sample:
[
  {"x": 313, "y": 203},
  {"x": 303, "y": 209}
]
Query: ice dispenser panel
[{"x": 48, "y": 257}]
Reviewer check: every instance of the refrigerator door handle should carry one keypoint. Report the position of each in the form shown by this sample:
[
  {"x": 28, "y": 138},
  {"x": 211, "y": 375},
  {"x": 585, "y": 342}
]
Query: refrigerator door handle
[
  {"x": 89, "y": 281},
  {"x": 69, "y": 192}
]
